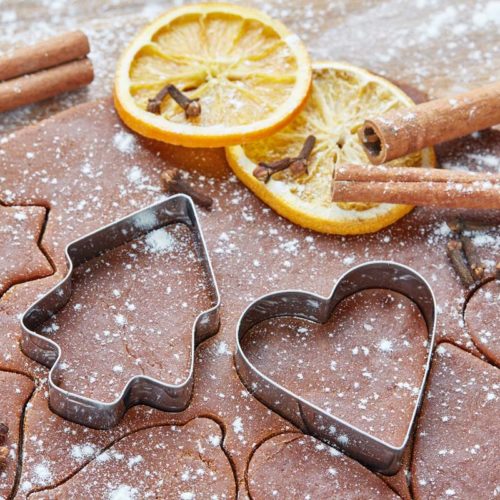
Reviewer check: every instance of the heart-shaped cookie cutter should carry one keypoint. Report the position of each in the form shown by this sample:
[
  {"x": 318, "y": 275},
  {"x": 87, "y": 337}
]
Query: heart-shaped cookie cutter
[
  {"x": 139, "y": 389},
  {"x": 311, "y": 419}
]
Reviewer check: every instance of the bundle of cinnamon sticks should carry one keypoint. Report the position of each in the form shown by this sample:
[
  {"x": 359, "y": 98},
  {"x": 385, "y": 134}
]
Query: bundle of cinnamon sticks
[
  {"x": 40, "y": 71},
  {"x": 401, "y": 132}
]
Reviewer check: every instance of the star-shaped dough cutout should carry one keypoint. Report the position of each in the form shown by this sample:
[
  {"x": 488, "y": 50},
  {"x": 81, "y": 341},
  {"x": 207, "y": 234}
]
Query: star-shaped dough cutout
[{"x": 21, "y": 258}]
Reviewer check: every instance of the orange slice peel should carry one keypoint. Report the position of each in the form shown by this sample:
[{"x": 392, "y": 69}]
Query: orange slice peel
[
  {"x": 342, "y": 96},
  {"x": 249, "y": 72}
]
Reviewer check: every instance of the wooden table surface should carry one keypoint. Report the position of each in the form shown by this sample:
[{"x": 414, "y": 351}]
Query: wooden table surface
[{"x": 441, "y": 47}]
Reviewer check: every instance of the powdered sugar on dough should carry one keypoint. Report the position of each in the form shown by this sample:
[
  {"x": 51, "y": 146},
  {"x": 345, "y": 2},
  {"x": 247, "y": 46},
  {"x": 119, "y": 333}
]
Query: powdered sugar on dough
[
  {"x": 160, "y": 241},
  {"x": 123, "y": 492},
  {"x": 124, "y": 142}
]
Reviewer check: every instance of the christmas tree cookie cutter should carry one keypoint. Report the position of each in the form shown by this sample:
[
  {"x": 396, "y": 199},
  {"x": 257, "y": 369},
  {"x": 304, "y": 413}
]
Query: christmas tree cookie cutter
[{"x": 140, "y": 389}]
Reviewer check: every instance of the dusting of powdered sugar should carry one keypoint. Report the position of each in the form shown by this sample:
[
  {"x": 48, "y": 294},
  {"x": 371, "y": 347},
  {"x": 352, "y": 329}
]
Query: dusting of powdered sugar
[
  {"x": 160, "y": 241},
  {"x": 124, "y": 142},
  {"x": 123, "y": 492}
]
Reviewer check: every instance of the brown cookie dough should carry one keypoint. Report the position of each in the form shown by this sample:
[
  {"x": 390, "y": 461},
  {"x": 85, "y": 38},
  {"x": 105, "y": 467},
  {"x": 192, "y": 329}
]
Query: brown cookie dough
[
  {"x": 456, "y": 446},
  {"x": 132, "y": 312},
  {"x": 15, "y": 392},
  {"x": 92, "y": 158},
  {"x": 482, "y": 318},
  {"x": 160, "y": 462},
  {"x": 297, "y": 466},
  {"x": 66, "y": 446},
  {"x": 20, "y": 256},
  {"x": 364, "y": 365},
  {"x": 87, "y": 176}
]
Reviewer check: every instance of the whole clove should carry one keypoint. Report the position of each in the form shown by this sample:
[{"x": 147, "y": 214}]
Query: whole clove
[
  {"x": 191, "y": 107},
  {"x": 472, "y": 256},
  {"x": 4, "y": 450},
  {"x": 457, "y": 258},
  {"x": 298, "y": 165},
  {"x": 4, "y": 430},
  {"x": 154, "y": 104},
  {"x": 4, "y": 454},
  {"x": 173, "y": 182},
  {"x": 263, "y": 171}
]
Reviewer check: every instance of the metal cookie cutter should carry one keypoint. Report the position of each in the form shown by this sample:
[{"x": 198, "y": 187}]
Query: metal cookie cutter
[
  {"x": 139, "y": 389},
  {"x": 311, "y": 419}
]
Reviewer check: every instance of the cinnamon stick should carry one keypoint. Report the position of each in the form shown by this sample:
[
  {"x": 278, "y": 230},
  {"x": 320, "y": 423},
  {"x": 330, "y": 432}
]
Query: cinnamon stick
[
  {"x": 46, "y": 54},
  {"x": 368, "y": 173},
  {"x": 416, "y": 186},
  {"x": 401, "y": 132},
  {"x": 44, "y": 84}
]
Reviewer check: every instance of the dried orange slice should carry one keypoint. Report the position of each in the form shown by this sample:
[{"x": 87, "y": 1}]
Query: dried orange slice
[
  {"x": 342, "y": 96},
  {"x": 250, "y": 74}
]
